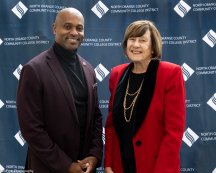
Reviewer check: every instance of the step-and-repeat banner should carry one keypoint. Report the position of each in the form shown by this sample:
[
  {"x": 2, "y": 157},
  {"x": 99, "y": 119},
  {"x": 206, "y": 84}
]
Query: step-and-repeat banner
[{"x": 188, "y": 30}]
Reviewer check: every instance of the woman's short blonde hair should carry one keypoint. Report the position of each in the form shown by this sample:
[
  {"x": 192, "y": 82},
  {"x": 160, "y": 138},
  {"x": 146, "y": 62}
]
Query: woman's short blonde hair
[{"x": 138, "y": 29}]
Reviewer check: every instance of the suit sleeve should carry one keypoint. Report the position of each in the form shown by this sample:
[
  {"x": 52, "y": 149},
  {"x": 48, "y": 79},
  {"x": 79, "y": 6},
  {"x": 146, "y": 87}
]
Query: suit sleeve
[
  {"x": 97, "y": 144},
  {"x": 30, "y": 116},
  {"x": 174, "y": 121}
]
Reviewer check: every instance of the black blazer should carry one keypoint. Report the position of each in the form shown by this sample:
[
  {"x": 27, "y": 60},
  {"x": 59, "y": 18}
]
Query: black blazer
[{"x": 47, "y": 115}]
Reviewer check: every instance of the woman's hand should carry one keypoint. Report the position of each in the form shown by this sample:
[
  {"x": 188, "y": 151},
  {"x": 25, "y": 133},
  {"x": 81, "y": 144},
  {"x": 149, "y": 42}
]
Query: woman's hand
[{"x": 108, "y": 170}]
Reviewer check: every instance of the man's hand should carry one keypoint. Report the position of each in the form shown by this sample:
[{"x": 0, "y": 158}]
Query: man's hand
[
  {"x": 90, "y": 163},
  {"x": 77, "y": 167}
]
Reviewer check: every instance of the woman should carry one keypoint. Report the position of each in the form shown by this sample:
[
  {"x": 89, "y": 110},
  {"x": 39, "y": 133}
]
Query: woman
[{"x": 146, "y": 116}]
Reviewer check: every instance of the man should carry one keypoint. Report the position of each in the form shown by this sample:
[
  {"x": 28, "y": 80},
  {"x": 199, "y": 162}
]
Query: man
[{"x": 57, "y": 104}]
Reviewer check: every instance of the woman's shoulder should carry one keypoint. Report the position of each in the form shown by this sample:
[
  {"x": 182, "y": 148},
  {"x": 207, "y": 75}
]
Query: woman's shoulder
[
  {"x": 169, "y": 70},
  {"x": 119, "y": 68},
  {"x": 169, "y": 65},
  {"x": 117, "y": 71}
]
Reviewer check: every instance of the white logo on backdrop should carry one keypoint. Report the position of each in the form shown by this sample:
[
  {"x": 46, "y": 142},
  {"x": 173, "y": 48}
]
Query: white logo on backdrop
[
  {"x": 103, "y": 135},
  {"x": 189, "y": 137},
  {"x": 19, "y": 10},
  {"x": 182, "y": 8},
  {"x": 214, "y": 171},
  {"x": 212, "y": 102},
  {"x": 100, "y": 9},
  {"x": 187, "y": 71},
  {"x": 1, "y": 168},
  {"x": 1, "y": 41},
  {"x": 20, "y": 138},
  {"x": 210, "y": 38},
  {"x": 101, "y": 72},
  {"x": 17, "y": 72},
  {"x": 1, "y": 104}
]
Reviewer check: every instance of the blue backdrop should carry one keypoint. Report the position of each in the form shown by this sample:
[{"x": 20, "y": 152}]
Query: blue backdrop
[{"x": 188, "y": 30}]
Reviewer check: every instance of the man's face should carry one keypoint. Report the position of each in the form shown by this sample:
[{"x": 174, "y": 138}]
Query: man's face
[{"x": 69, "y": 30}]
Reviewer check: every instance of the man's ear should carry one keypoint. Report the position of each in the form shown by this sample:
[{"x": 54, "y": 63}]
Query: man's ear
[{"x": 54, "y": 28}]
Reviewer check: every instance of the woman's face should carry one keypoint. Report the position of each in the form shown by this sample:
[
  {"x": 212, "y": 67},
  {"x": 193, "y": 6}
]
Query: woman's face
[{"x": 139, "y": 49}]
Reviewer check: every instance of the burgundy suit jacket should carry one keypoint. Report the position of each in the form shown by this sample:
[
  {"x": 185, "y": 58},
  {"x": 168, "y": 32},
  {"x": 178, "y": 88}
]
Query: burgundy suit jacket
[
  {"x": 48, "y": 118},
  {"x": 160, "y": 120}
]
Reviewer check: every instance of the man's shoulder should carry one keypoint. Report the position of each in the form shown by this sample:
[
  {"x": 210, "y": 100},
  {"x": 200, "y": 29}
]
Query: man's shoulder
[
  {"x": 40, "y": 58},
  {"x": 83, "y": 61}
]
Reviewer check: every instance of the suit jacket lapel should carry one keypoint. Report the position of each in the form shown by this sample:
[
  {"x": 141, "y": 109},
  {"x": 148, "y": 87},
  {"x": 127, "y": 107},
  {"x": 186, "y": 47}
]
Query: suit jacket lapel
[
  {"x": 146, "y": 94},
  {"x": 61, "y": 78}
]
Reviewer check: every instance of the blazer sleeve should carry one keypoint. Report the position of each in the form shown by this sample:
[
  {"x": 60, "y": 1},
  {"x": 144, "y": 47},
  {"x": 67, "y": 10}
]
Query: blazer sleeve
[
  {"x": 97, "y": 144},
  {"x": 168, "y": 159},
  {"x": 30, "y": 116},
  {"x": 109, "y": 128}
]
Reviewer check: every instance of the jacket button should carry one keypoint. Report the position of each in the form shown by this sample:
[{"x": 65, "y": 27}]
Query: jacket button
[{"x": 138, "y": 143}]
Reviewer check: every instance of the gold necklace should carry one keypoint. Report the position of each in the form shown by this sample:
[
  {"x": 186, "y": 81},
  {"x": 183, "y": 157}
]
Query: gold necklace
[{"x": 131, "y": 106}]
